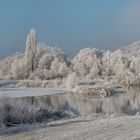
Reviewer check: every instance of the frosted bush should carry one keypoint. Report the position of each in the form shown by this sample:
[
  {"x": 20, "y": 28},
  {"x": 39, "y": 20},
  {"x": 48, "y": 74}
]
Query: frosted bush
[
  {"x": 135, "y": 64},
  {"x": 13, "y": 112},
  {"x": 124, "y": 69},
  {"x": 63, "y": 69},
  {"x": 18, "y": 69},
  {"x": 87, "y": 60},
  {"x": 5, "y": 66},
  {"x": 72, "y": 80},
  {"x": 45, "y": 61}
]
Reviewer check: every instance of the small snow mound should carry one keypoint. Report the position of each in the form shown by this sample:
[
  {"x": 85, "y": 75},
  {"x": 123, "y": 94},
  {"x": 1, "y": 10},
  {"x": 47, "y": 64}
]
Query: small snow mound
[{"x": 97, "y": 92}]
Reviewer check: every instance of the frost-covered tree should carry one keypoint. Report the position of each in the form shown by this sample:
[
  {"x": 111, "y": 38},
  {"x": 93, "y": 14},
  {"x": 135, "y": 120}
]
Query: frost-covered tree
[
  {"x": 87, "y": 61},
  {"x": 30, "y": 51}
]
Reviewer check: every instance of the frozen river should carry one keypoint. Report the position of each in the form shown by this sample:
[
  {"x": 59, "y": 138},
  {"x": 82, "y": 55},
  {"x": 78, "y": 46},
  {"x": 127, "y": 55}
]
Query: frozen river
[
  {"x": 29, "y": 92},
  {"x": 8, "y": 89}
]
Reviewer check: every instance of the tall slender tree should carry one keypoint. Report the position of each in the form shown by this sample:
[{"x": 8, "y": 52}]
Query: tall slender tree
[{"x": 30, "y": 51}]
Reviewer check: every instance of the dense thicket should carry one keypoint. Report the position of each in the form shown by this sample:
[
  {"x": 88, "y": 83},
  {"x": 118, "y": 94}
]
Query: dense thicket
[{"x": 39, "y": 61}]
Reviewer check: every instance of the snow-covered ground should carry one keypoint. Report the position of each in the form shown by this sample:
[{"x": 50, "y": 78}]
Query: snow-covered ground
[{"x": 91, "y": 127}]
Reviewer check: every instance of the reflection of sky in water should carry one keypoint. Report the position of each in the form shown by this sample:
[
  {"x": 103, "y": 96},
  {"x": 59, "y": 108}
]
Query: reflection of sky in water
[{"x": 126, "y": 103}]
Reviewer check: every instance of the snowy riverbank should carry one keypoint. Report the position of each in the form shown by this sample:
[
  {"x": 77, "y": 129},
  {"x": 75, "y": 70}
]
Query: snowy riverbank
[{"x": 80, "y": 128}]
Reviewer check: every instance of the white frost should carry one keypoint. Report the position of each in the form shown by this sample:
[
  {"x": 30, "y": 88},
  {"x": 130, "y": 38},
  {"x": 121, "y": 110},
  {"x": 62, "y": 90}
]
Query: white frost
[{"x": 47, "y": 63}]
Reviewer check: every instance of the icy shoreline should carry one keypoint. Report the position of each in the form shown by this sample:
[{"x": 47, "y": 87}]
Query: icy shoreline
[{"x": 30, "y": 92}]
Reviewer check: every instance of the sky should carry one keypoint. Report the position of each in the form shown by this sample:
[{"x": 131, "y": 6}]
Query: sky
[{"x": 69, "y": 24}]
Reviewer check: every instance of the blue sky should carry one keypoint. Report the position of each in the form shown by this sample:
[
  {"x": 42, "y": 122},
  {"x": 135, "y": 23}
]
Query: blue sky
[{"x": 69, "y": 24}]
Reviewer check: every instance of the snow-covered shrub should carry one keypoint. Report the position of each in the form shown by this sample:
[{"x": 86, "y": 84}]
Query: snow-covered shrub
[
  {"x": 60, "y": 69},
  {"x": 72, "y": 80},
  {"x": 18, "y": 69},
  {"x": 12, "y": 112},
  {"x": 45, "y": 61},
  {"x": 87, "y": 61},
  {"x": 29, "y": 110},
  {"x": 5, "y": 66},
  {"x": 123, "y": 68}
]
